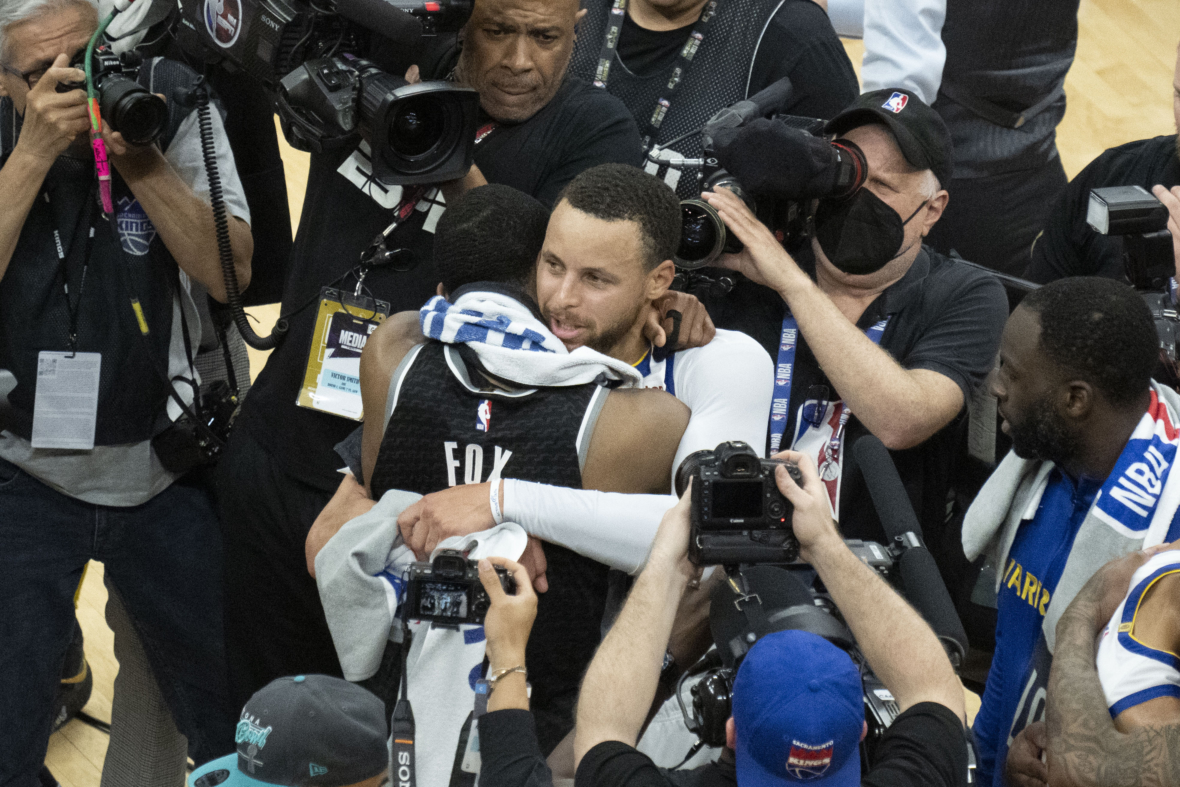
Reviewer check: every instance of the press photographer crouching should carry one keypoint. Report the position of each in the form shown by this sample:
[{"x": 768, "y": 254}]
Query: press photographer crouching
[
  {"x": 798, "y": 710},
  {"x": 96, "y": 325},
  {"x": 873, "y": 332}
]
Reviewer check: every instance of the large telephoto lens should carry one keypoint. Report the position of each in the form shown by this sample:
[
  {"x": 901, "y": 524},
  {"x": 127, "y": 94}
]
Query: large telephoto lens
[
  {"x": 702, "y": 235},
  {"x": 422, "y": 133},
  {"x": 131, "y": 110}
]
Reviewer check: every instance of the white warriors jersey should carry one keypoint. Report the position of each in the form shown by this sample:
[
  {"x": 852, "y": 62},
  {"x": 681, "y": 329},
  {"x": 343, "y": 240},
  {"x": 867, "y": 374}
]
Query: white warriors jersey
[{"x": 1133, "y": 673}]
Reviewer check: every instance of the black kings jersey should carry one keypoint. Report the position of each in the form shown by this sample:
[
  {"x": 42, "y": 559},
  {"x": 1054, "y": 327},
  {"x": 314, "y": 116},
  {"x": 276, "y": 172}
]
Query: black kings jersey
[{"x": 444, "y": 429}]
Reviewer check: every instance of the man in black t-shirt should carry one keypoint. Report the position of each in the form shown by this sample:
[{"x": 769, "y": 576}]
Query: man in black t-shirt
[
  {"x": 873, "y": 332},
  {"x": 797, "y": 709},
  {"x": 538, "y": 130},
  {"x": 675, "y": 63},
  {"x": 1068, "y": 246}
]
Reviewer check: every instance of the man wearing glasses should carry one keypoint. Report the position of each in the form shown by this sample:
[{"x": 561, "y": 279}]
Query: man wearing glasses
[
  {"x": 97, "y": 323},
  {"x": 873, "y": 332}
]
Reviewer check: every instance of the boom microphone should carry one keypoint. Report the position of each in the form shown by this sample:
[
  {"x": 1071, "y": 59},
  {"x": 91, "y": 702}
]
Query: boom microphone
[
  {"x": 768, "y": 99},
  {"x": 919, "y": 573}
]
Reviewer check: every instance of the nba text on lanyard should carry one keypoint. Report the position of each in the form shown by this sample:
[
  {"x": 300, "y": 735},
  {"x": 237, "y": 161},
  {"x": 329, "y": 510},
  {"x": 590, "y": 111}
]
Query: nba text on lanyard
[
  {"x": 784, "y": 372},
  {"x": 614, "y": 28}
]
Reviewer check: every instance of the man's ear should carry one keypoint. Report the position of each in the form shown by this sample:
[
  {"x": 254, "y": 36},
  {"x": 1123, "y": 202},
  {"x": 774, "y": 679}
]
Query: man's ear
[
  {"x": 934, "y": 210},
  {"x": 660, "y": 279},
  {"x": 440, "y": 290},
  {"x": 730, "y": 734},
  {"x": 1079, "y": 399}
]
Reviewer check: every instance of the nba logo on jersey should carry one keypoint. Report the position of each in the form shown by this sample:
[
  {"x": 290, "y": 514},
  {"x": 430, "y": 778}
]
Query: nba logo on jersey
[
  {"x": 896, "y": 102},
  {"x": 483, "y": 415}
]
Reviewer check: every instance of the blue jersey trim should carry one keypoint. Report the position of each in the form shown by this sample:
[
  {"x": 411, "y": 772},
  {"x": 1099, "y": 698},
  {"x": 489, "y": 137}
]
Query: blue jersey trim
[
  {"x": 1131, "y": 609},
  {"x": 1140, "y": 697}
]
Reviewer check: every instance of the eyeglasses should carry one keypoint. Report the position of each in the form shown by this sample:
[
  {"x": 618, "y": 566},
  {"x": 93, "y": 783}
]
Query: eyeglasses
[{"x": 31, "y": 77}]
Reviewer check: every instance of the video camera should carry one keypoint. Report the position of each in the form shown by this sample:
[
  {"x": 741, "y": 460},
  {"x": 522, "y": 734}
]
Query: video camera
[
  {"x": 807, "y": 166},
  {"x": 737, "y": 513},
  {"x": 1149, "y": 261},
  {"x": 327, "y": 96},
  {"x": 127, "y": 106},
  {"x": 447, "y": 591}
]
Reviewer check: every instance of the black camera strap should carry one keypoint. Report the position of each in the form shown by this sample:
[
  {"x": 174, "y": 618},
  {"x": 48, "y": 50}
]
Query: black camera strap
[
  {"x": 610, "y": 43},
  {"x": 401, "y": 726},
  {"x": 88, "y": 221}
]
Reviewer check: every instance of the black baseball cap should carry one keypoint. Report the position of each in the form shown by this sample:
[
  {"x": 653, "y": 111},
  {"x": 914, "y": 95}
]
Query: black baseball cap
[
  {"x": 305, "y": 731},
  {"x": 920, "y": 132}
]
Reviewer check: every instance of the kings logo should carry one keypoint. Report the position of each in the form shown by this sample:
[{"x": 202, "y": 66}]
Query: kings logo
[
  {"x": 136, "y": 230},
  {"x": 806, "y": 762},
  {"x": 483, "y": 415}
]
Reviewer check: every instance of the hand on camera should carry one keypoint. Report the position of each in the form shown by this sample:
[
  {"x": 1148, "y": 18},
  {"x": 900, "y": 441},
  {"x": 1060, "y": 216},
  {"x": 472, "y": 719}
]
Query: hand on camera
[
  {"x": 696, "y": 327},
  {"x": 461, "y": 511},
  {"x": 1171, "y": 200},
  {"x": 669, "y": 550},
  {"x": 1024, "y": 767},
  {"x": 52, "y": 120},
  {"x": 812, "y": 521},
  {"x": 509, "y": 618},
  {"x": 763, "y": 260}
]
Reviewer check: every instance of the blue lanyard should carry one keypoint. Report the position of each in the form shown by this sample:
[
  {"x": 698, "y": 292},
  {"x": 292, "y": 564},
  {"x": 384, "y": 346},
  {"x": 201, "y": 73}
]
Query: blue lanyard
[{"x": 784, "y": 373}]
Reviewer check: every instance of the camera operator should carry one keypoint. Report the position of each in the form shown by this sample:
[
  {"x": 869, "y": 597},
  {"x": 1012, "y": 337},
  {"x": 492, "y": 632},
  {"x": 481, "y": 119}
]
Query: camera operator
[
  {"x": 103, "y": 302},
  {"x": 995, "y": 72},
  {"x": 1069, "y": 246},
  {"x": 873, "y": 331},
  {"x": 1113, "y": 713},
  {"x": 1082, "y": 485},
  {"x": 675, "y": 63},
  {"x": 539, "y": 129},
  {"x": 795, "y": 695}
]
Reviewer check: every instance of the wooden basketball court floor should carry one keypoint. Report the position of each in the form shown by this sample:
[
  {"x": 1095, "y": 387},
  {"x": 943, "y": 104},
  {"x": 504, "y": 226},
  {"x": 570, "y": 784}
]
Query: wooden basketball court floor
[{"x": 1119, "y": 89}]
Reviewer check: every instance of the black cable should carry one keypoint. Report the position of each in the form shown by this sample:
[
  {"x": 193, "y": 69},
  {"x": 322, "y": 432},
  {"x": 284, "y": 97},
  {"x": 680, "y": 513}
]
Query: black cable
[
  {"x": 221, "y": 223},
  {"x": 97, "y": 724}
]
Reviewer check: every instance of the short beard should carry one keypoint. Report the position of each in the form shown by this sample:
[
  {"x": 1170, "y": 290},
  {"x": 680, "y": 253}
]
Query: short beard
[
  {"x": 607, "y": 340},
  {"x": 1043, "y": 435}
]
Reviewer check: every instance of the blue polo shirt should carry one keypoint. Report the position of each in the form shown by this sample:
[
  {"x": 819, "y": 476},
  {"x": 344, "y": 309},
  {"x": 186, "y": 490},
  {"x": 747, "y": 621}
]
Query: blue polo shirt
[{"x": 1034, "y": 566}]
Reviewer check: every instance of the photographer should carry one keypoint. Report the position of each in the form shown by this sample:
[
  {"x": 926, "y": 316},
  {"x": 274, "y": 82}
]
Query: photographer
[
  {"x": 646, "y": 56},
  {"x": 873, "y": 331},
  {"x": 96, "y": 308},
  {"x": 539, "y": 129},
  {"x": 1069, "y": 246},
  {"x": 795, "y": 695}
]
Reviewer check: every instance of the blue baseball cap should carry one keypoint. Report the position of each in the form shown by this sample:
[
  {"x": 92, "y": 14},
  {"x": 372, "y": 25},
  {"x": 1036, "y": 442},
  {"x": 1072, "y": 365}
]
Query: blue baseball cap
[
  {"x": 798, "y": 712},
  {"x": 305, "y": 731}
]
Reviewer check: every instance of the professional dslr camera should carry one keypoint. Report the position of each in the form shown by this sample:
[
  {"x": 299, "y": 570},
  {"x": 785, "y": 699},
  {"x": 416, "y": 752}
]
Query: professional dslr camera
[
  {"x": 737, "y": 513},
  {"x": 127, "y": 106},
  {"x": 1148, "y": 259},
  {"x": 824, "y": 169},
  {"x": 447, "y": 590},
  {"x": 327, "y": 97}
]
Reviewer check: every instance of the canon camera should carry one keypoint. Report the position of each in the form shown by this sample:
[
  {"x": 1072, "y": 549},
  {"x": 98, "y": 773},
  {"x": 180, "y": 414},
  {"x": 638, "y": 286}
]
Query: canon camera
[{"x": 447, "y": 590}]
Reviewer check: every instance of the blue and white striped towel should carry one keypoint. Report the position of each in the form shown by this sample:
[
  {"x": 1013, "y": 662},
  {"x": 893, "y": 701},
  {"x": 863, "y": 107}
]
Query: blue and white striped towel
[{"x": 514, "y": 345}]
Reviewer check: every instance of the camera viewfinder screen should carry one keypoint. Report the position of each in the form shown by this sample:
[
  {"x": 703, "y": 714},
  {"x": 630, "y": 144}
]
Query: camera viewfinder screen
[
  {"x": 443, "y": 600},
  {"x": 737, "y": 499}
]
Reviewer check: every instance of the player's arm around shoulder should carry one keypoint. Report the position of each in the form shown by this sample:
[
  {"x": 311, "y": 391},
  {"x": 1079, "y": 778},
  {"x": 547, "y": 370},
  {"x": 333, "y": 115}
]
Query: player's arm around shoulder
[
  {"x": 635, "y": 442},
  {"x": 384, "y": 351}
]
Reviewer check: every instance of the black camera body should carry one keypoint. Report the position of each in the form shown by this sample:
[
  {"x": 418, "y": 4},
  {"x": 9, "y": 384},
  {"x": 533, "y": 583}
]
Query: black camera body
[
  {"x": 326, "y": 96},
  {"x": 187, "y": 443},
  {"x": 447, "y": 590},
  {"x": 1149, "y": 261},
  {"x": 737, "y": 513},
  {"x": 127, "y": 106}
]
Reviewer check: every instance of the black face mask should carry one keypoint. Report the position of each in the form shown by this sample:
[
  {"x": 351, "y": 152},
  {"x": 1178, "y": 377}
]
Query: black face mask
[{"x": 860, "y": 234}]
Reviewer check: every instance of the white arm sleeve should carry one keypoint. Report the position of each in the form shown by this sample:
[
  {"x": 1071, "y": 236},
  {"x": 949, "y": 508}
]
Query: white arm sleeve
[
  {"x": 728, "y": 385},
  {"x": 903, "y": 46},
  {"x": 609, "y": 527},
  {"x": 187, "y": 158},
  {"x": 848, "y": 17}
]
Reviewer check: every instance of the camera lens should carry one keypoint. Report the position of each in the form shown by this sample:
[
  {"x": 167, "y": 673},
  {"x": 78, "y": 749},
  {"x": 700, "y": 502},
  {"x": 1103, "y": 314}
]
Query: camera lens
[
  {"x": 702, "y": 235},
  {"x": 417, "y": 127},
  {"x": 132, "y": 111}
]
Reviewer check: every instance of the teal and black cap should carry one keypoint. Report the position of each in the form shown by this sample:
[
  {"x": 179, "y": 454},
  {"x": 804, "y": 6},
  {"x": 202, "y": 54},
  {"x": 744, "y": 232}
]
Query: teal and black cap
[
  {"x": 305, "y": 731},
  {"x": 920, "y": 132}
]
